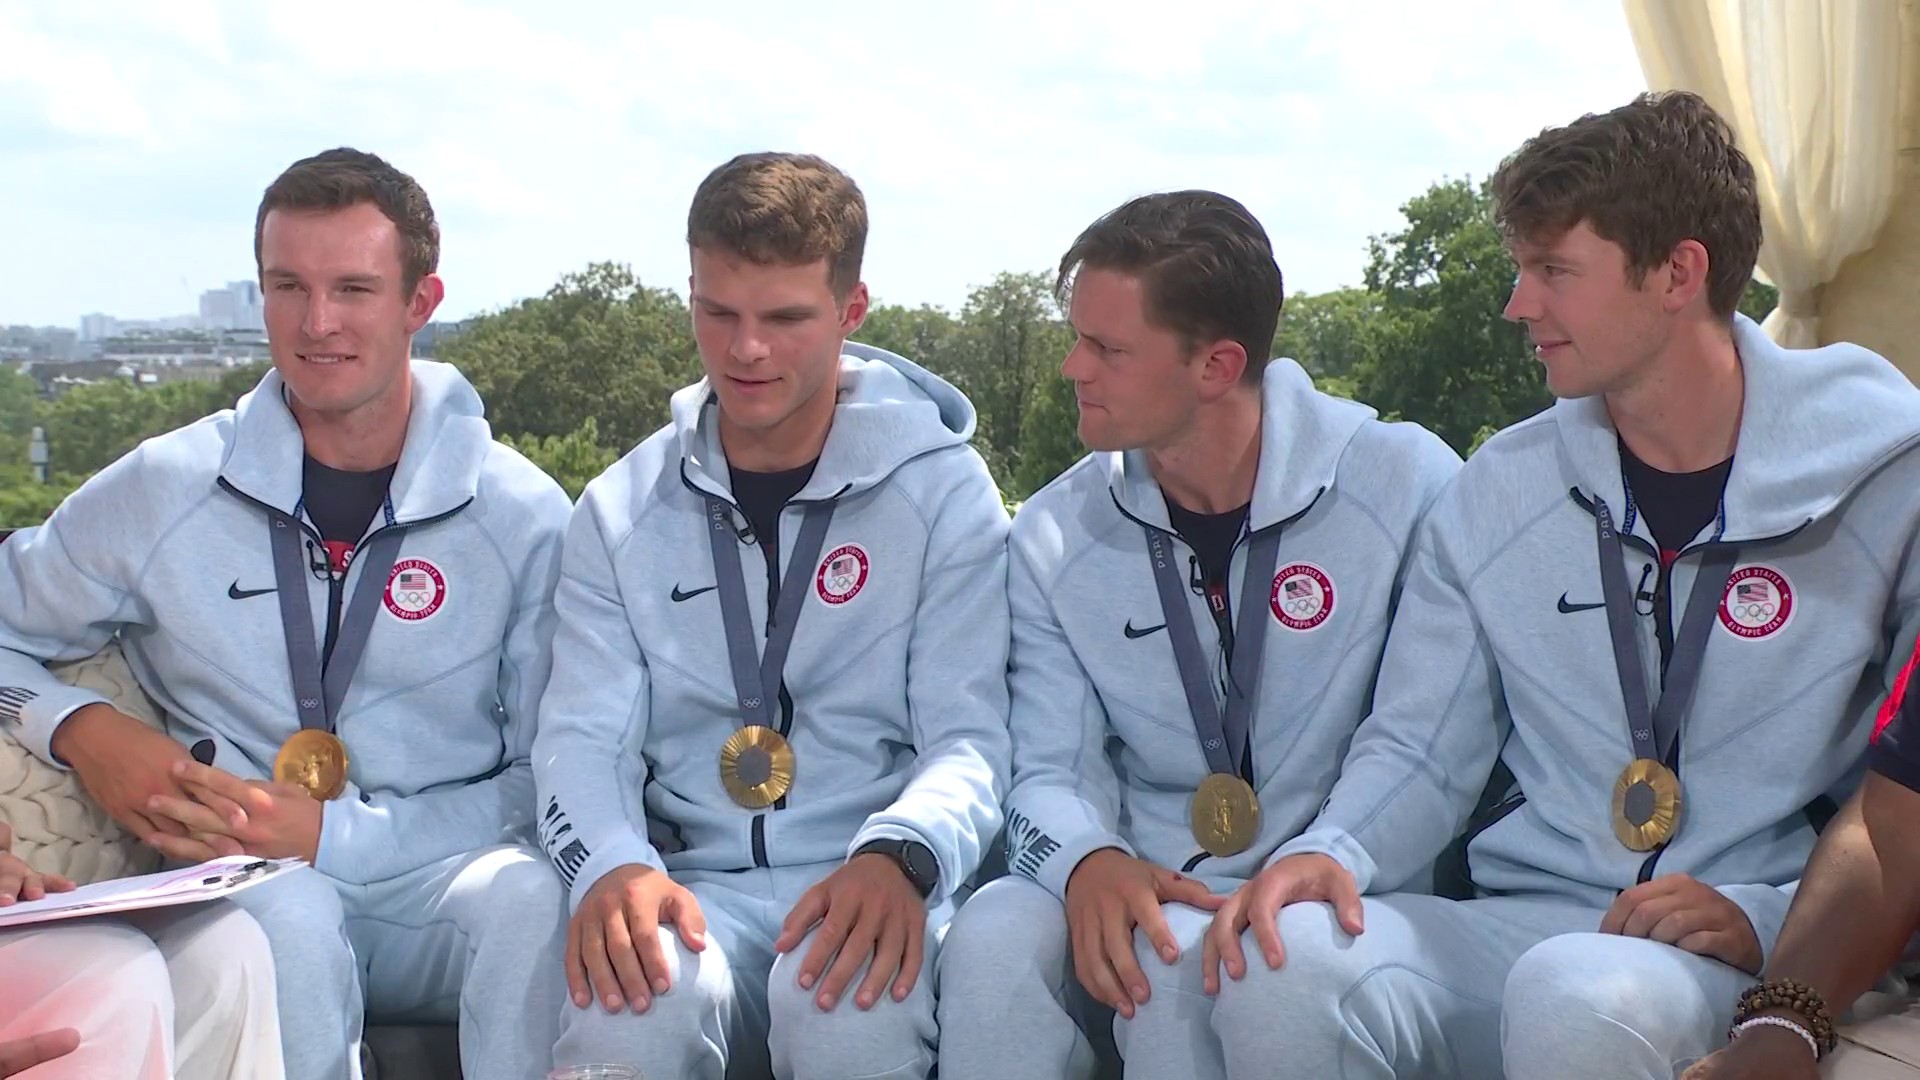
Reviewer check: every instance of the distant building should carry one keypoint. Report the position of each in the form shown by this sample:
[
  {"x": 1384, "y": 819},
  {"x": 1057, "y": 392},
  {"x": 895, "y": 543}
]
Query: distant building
[
  {"x": 97, "y": 327},
  {"x": 235, "y": 307}
]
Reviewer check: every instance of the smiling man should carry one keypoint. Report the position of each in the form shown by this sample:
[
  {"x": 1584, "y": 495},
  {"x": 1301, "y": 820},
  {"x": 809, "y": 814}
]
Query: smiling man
[
  {"x": 340, "y": 593},
  {"x": 775, "y": 740},
  {"x": 1666, "y": 607}
]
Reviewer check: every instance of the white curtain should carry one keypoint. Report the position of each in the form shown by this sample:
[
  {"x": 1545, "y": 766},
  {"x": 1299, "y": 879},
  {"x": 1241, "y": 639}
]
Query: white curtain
[{"x": 1811, "y": 88}]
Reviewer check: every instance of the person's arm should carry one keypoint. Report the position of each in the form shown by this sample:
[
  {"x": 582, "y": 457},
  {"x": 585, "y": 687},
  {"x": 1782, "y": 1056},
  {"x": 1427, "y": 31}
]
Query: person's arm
[
  {"x": 594, "y": 715},
  {"x": 65, "y": 590},
  {"x": 1419, "y": 760},
  {"x": 956, "y": 686},
  {"x": 1065, "y": 803},
  {"x": 386, "y": 835}
]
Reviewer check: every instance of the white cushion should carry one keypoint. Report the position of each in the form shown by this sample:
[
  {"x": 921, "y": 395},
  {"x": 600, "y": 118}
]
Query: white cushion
[{"x": 57, "y": 828}]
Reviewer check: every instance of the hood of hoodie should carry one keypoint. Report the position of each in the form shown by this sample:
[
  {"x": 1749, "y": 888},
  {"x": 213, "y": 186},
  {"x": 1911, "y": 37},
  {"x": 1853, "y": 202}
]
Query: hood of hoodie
[
  {"x": 888, "y": 411},
  {"x": 1814, "y": 424},
  {"x": 1302, "y": 435},
  {"x": 446, "y": 426}
]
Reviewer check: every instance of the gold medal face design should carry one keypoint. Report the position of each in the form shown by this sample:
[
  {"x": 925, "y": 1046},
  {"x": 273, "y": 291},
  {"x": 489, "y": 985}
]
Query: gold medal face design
[
  {"x": 1224, "y": 815},
  {"x": 315, "y": 760},
  {"x": 756, "y": 766},
  {"x": 1646, "y": 805}
]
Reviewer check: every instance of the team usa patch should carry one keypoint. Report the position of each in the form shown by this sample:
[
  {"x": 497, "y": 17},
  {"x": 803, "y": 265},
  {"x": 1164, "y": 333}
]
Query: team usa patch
[
  {"x": 1302, "y": 596},
  {"x": 1758, "y": 602},
  {"x": 843, "y": 573},
  {"x": 415, "y": 590}
]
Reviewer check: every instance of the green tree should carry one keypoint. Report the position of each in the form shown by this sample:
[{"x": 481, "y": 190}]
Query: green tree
[
  {"x": 572, "y": 459},
  {"x": 1327, "y": 332},
  {"x": 599, "y": 345},
  {"x": 924, "y": 335},
  {"x": 1440, "y": 353},
  {"x": 1009, "y": 348},
  {"x": 1051, "y": 426}
]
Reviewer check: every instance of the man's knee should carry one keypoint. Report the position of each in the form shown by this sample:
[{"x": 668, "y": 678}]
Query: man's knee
[
  {"x": 1631, "y": 1001},
  {"x": 675, "y": 1026},
  {"x": 1308, "y": 994},
  {"x": 1011, "y": 929},
  {"x": 1575, "y": 976},
  {"x": 524, "y": 895},
  {"x": 891, "y": 1039}
]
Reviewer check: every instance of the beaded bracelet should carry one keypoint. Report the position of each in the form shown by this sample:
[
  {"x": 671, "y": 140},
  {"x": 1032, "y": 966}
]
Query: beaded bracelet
[
  {"x": 1795, "y": 997},
  {"x": 1780, "y": 1022}
]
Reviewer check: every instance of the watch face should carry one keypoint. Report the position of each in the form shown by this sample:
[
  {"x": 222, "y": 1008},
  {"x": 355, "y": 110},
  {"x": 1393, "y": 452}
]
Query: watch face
[{"x": 921, "y": 864}]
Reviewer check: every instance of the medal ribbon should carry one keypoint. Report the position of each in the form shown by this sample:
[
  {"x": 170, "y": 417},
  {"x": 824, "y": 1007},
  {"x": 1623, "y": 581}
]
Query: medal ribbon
[
  {"x": 317, "y": 693},
  {"x": 1223, "y": 738},
  {"x": 755, "y": 677}
]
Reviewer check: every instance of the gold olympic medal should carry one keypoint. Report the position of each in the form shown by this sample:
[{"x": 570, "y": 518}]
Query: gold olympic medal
[
  {"x": 315, "y": 760},
  {"x": 756, "y": 766},
  {"x": 1646, "y": 805},
  {"x": 1224, "y": 815}
]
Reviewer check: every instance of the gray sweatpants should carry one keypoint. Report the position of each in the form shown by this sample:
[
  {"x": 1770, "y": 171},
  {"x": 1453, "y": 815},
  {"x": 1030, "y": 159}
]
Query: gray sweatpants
[
  {"x": 475, "y": 937},
  {"x": 1433, "y": 988},
  {"x": 736, "y": 1009}
]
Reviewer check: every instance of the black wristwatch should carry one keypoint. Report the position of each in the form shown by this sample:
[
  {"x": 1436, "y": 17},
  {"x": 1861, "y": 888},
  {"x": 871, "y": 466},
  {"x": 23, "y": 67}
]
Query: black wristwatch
[{"x": 914, "y": 858}]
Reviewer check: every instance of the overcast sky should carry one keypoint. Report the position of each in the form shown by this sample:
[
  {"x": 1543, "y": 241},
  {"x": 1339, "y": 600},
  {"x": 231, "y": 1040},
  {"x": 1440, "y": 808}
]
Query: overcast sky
[{"x": 135, "y": 137}]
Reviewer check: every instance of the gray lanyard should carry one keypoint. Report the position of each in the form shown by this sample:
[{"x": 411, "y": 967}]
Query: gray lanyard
[
  {"x": 1223, "y": 738},
  {"x": 1655, "y": 728},
  {"x": 753, "y": 673},
  {"x": 318, "y": 693}
]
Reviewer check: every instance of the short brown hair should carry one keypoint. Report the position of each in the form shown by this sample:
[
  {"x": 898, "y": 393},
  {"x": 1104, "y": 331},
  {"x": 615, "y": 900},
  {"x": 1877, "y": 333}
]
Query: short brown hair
[
  {"x": 1645, "y": 176},
  {"x": 337, "y": 179},
  {"x": 783, "y": 209},
  {"x": 1205, "y": 264}
]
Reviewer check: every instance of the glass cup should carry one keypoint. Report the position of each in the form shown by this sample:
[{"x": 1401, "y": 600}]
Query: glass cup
[{"x": 596, "y": 1072}]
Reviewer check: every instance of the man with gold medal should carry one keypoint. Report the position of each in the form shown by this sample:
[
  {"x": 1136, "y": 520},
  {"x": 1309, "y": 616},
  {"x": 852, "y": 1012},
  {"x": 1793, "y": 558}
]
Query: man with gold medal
[
  {"x": 1199, "y": 609},
  {"x": 1635, "y": 664},
  {"x": 340, "y": 592},
  {"x": 767, "y": 798}
]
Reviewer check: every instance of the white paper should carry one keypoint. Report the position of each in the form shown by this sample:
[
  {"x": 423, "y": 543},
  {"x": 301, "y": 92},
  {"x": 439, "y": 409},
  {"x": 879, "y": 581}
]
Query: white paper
[{"x": 187, "y": 885}]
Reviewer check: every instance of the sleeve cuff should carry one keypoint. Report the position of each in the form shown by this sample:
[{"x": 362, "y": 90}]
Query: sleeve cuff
[
  {"x": 950, "y": 875},
  {"x": 628, "y": 852},
  {"x": 1884, "y": 760},
  {"x": 43, "y": 711},
  {"x": 1336, "y": 844}
]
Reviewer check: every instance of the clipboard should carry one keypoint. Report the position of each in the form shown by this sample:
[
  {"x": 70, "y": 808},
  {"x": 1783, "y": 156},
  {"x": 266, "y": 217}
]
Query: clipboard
[{"x": 209, "y": 880}]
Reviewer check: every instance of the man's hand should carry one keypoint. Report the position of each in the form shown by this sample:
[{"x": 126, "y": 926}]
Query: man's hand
[
  {"x": 122, "y": 763},
  {"x": 867, "y": 908},
  {"x": 1109, "y": 894},
  {"x": 1684, "y": 913},
  {"x": 228, "y": 816},
  {"x": 613, "y": 941},
  {"x": 18, "y": 881},
  {"x": 1759, "y": 1053},
  {"x": 1292, "y": 880},
  {"x": 19, "y": 1055}
]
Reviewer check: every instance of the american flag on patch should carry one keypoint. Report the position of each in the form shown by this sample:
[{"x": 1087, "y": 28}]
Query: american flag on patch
[
  {"x": 414, "y": 579},
  {"x": 1751, "y": 592},
  {"x": 844, "y": 566},
  {"x": 1298, "y": 588}
]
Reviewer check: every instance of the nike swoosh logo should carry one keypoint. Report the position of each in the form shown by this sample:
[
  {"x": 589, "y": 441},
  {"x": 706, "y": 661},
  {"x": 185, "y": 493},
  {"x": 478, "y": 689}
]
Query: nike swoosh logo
[
  {"x": 682, "y": 597},
  {"x": 235, "y": 592},
  {"x": 1132, "y": 633},
  {"x": 1568, "y": 609}
]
